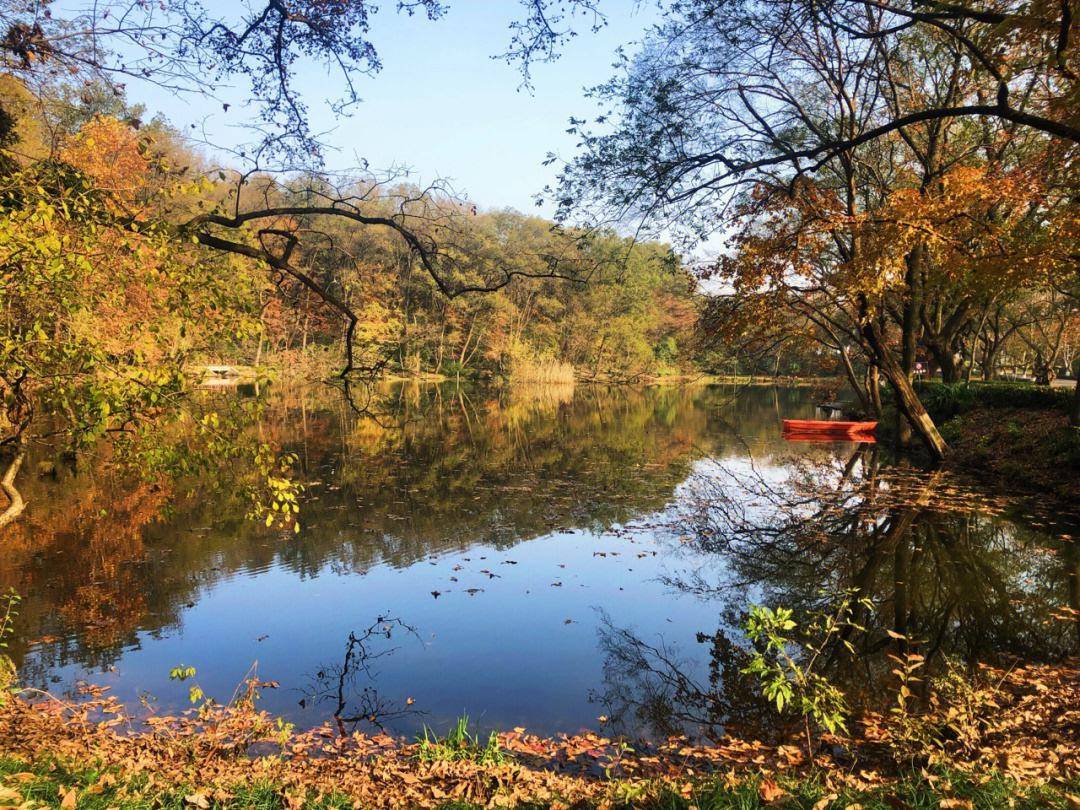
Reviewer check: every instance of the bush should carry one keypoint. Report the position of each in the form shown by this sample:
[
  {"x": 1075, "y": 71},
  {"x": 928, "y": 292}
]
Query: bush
[{"x": 946, "y": 400}]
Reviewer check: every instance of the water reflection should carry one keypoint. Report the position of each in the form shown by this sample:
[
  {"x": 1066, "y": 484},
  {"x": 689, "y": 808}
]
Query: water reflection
[
  {"x": 559, "y": 554},
  {"x": 349, "y": 688},
  {"x": 929, "y": 565}
]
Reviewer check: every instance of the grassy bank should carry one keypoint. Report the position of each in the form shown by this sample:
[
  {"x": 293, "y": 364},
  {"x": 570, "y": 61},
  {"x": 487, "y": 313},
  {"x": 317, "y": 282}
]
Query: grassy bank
[
  {"x": 946, "y": 400},
  {"x": 63, "y": 785},
  {"x": 1031, "y": 449},
  {"x": 1016, "y": 434},
  {"x": 1012, "y": 742}
]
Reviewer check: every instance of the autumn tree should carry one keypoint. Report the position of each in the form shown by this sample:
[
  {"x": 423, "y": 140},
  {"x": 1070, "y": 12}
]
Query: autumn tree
[
  {"x": 98, "y": 227},
  {"x": 837, "y": 162},
  {"x": 99, "y": 320}
]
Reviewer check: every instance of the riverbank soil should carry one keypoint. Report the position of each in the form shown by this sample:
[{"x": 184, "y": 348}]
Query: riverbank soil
[
  {"x": 1034, "y": 449},
  {"x": 1013, "y": 741}
]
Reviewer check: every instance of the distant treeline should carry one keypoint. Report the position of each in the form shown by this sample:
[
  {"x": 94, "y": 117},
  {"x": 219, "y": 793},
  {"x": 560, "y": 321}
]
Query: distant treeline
[{"x": 621, "y": 311}]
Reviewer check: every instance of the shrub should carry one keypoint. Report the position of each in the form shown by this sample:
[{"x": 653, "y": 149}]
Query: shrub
[{"x": 946, "y": 400}]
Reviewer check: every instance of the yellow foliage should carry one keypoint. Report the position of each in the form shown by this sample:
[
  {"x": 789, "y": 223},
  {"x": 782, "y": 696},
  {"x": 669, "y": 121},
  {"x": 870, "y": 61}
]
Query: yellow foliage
[{"x": 111, "y": 153}]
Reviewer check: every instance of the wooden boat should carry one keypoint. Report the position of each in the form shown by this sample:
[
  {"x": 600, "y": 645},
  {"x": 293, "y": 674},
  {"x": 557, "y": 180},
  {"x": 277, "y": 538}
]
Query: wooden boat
[
  {"x": 828, "y": 427},
  {"x": 830, "y": 438}
]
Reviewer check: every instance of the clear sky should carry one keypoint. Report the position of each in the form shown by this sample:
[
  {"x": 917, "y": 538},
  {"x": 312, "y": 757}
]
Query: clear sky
[{"x": 443, "y": 107}]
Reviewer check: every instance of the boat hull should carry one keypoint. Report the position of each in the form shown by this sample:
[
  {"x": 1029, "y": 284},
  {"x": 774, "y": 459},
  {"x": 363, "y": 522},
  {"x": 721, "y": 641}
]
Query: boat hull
[{"x": 828, "y": 427}]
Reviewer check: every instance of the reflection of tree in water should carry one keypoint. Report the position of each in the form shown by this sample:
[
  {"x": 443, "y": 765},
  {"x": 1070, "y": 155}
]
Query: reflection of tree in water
[
  {"x": 939, "y": 564},
  {"x": 350, "y": 687},
  {"x": 438, "y": 470},
  {"x": 650, "y": 687}
]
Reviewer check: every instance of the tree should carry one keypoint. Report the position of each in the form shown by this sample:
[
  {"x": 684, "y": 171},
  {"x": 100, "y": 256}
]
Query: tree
[
  {"x": 782, "y": 118},
  {"x": 99, "y": 320},
  {"x": 78, "y": 197}
]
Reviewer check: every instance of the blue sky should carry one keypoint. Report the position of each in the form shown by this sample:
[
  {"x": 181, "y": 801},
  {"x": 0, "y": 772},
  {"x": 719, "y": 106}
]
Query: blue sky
[{"x": 446, "y": 109}]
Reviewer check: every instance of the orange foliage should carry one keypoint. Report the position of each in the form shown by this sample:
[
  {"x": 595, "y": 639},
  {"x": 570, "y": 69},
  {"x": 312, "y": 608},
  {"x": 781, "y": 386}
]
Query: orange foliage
[
  {"x": 110, "y": 152},
  {"x": 983, "y": 228}
]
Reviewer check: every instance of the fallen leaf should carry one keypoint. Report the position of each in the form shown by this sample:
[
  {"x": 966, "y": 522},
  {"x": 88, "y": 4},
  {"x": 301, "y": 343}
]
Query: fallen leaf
[
  {"x": 7, "y": 795},
  {"x": 769, "y": 790}
]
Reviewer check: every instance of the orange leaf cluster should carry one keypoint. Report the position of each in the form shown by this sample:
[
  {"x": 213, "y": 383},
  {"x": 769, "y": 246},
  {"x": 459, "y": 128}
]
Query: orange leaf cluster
[{"x": 110, "y": 152}]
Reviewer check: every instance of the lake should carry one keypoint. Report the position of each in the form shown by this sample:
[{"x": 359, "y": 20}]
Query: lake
[{"x": 559, "y": 559}]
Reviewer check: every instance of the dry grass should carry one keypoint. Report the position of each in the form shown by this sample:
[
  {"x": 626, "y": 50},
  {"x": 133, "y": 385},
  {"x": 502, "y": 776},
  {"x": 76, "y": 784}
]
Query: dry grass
[{"x": 539, "y": 370}]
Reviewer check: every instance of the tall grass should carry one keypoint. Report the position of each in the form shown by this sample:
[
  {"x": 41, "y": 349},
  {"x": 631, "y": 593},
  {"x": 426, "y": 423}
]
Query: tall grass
[
  {"x": 540, "y": 370},
  {"x": 459, "y": 744}
]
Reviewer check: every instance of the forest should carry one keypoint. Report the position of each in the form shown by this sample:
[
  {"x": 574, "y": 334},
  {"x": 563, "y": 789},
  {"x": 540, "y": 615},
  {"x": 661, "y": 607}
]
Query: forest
[{"x": 237, "y": 366}]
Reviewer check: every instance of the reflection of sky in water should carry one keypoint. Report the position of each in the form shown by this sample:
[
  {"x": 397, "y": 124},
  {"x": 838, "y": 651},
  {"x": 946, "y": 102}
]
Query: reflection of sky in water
[
  {"x": 505, "y": 655},
  {"x": 578, "y": 508}
]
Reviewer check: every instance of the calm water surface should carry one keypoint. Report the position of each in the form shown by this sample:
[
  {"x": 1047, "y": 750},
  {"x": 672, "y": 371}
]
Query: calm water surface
[{"x": 539, "y": 558}]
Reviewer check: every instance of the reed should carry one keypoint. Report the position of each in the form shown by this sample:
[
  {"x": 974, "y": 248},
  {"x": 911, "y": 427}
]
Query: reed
[{"x": 540, "y": 370}]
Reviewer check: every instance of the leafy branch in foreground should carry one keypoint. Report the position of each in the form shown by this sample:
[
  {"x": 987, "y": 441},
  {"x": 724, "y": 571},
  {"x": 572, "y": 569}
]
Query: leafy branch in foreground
[
  {"x": 787, "y": 667},
  {"x": 9, "y": 604}
]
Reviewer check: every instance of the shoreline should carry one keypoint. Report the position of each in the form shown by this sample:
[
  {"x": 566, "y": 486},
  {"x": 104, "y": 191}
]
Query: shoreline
[{"x": 89, "y": 755}]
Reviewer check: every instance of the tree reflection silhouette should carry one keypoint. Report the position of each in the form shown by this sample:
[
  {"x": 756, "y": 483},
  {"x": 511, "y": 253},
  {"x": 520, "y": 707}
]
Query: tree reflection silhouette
[{"x": 946, "y": 573}]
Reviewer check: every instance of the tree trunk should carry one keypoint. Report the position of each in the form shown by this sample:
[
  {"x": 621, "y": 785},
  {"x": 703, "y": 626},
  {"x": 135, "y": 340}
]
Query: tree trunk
[
  {"x": 1074, "y": 415},
  {"x": 946, "y": 361},
  {"x": 849, "y": 370},
  {"x": 16, "y": 504},
  {"x": 907, "y": 401},
  {"x": 873, "y": 387},
  {"x": 1044, "y": 370},
  {"x": 909, "y": 326},
  {"x": 989, "y": 359}
]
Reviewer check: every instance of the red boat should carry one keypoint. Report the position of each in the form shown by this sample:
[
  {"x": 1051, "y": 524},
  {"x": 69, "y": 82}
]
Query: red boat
[
  {"x": 830, "y": 438},
  {"x": 829, "y": 427}
]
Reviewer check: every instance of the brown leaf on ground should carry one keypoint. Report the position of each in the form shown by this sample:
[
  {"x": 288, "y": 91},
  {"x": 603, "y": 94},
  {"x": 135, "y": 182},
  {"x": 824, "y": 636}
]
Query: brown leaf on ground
[
  {"x": 770, "y": 791},
  {"x": 1029, "y": 726},
  {"x": 9, "y": 796}
]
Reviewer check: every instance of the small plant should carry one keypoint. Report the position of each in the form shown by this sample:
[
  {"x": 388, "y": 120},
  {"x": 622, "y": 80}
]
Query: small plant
[
  {"x": 954, "y": 717},
  {"x": 910, "y": 734},
  {"x": 183, "y": 673},
  {"x": 459, "y": 745},
  {"x": 9, "y": 604},
  {"x": 962, "y": 701},
  {"x": 785, "y": 665}
]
